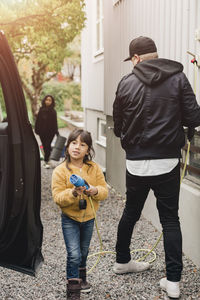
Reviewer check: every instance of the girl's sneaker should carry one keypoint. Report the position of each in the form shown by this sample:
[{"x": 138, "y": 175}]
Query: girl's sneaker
[
  {"x": 85, "y": 286},
  {"x": 73, "y": 288}
]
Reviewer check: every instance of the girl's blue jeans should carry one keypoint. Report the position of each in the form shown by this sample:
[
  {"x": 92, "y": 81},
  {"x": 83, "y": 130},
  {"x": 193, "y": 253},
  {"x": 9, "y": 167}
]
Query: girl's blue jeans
[{"x": 77, "y": 237}]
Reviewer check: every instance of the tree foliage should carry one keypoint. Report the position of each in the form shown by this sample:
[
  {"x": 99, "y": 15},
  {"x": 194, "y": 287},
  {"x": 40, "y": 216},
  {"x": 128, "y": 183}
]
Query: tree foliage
[
  {"x": 38, "y": 32},
  {"x": 70, "y": 92},
  {"x": 73, "y": 58}
]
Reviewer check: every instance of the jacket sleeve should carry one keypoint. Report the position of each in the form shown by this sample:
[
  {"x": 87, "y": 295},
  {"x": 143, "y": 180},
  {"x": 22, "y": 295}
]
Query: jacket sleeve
[
  {"x": 38, "y": 123},
  {"x": 117, "y": 114},
  {"x": 101, "y": 186},
  {"x": 189, "y": 107},
  {"x": 55, "y": 123},
  {"x": 62, "y": 195}
]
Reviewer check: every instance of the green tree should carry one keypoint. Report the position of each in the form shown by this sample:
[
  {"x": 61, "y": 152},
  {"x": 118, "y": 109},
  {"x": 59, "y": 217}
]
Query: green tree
[{"x": 38, "y": 32}]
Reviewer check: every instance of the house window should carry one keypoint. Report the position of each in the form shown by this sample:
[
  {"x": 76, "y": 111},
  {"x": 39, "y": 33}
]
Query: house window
[
  {"x": 193, "y": 164},
  {"x": 101, "y": 136},
  {"x": 99, "y": 27}
]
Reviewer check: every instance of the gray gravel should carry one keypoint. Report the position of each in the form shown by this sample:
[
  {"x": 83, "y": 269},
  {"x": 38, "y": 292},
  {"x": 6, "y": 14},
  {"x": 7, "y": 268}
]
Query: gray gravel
[{"x": 50, "y": 281}]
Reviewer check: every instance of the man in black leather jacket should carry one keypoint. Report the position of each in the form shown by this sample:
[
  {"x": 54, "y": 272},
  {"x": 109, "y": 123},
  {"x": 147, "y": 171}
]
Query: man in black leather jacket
[{"x": 152, "y": 105}]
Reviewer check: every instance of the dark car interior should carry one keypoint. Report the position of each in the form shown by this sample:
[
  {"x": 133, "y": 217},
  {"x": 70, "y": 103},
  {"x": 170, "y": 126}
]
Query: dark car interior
[{"x": 21, "y": 230}]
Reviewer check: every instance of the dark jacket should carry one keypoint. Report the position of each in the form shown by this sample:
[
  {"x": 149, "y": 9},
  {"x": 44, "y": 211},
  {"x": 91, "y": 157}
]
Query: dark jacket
[
  {"x": 152, "y": 105},
  {"x": 46, "y": 122}
]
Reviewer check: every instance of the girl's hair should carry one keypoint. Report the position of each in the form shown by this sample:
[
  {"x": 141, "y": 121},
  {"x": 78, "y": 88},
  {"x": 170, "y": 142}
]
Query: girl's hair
[
  {"x": 85, "y": 137},
  {"x": 52, "y": 104}
]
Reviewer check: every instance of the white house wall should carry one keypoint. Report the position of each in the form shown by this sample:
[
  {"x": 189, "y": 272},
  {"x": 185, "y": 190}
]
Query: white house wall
[
  {"x": 172, "y": 24},
  {"x": 92, "y": 67},
  {"x": 92, "y": 72},
  {"x": 91, "y": 124}
]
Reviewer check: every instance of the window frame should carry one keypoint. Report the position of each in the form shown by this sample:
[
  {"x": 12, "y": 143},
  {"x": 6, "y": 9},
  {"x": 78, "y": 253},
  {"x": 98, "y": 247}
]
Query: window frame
[
  {"x": 99, "y": 22},
  {"x": 101, "y": 139}
]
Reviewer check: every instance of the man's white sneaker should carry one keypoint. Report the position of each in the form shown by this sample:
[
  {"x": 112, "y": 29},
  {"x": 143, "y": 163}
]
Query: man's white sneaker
[
  {"x": 172, "y": 288},
  {"x": 131, "y": 266}
]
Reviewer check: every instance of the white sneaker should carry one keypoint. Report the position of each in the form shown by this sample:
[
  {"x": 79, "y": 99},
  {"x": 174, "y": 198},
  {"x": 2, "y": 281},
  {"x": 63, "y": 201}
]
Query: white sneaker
[
  {"x": 46, "y": 166},
  {"x": 172, "y": 288},
  {"x": 131, "y": 266}
]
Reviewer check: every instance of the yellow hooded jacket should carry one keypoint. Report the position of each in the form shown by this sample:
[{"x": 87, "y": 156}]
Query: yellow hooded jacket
[{"x": 62, "y": 190}]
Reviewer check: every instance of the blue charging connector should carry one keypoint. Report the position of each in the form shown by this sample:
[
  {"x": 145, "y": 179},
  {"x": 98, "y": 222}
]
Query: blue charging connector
[{"x": 78, "y": 181}]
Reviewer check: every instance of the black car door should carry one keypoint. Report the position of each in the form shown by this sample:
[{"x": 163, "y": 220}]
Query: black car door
[{"x": 21, "y": 229}]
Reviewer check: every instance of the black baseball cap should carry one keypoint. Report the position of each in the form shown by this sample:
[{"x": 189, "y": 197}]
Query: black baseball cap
[{"x": 141, "y": 45}]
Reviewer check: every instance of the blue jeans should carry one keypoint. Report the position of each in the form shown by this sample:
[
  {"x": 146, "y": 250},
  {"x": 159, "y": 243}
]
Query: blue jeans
[
  {"x": 166, "y": 189},
  {"x": 77, "y": 237}
]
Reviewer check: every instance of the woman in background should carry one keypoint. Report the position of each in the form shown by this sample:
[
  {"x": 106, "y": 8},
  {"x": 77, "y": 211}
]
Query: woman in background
[{"x": 46, "y": 126}]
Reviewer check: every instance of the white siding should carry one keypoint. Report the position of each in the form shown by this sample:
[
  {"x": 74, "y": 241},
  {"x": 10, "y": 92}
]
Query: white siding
[
  {"x": 92, "y": 67},
  {"x": 170, "y": 23},
  {"x": 92, "y": 81}
]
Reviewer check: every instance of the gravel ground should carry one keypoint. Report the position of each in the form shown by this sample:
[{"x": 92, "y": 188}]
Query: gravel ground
[{"x": 50, "y": 281}]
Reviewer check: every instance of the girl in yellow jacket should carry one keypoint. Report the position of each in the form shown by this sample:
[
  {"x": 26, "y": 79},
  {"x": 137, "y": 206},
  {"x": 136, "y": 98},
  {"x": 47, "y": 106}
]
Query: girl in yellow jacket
[{"x": 78, "y": 223}]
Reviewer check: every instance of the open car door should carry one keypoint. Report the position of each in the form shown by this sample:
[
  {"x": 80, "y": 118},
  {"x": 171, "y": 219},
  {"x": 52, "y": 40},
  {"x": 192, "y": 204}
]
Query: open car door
[{"x": 21, "y": 229}]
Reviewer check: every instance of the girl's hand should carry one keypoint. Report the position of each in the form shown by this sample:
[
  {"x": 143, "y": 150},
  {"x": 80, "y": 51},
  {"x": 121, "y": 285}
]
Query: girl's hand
[
  {"x": 91, "y": 191},
  {"x": 78, "y": 190}
]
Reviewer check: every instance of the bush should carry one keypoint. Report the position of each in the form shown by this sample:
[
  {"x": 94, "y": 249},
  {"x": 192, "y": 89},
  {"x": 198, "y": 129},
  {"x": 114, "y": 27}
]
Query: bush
[
  {"x": 61, "y": 123},
  {"x": 63, "y": 91}
]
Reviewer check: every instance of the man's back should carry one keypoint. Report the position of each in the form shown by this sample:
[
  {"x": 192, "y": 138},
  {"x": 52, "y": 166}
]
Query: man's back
[{"x": 152, "y": 105}]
